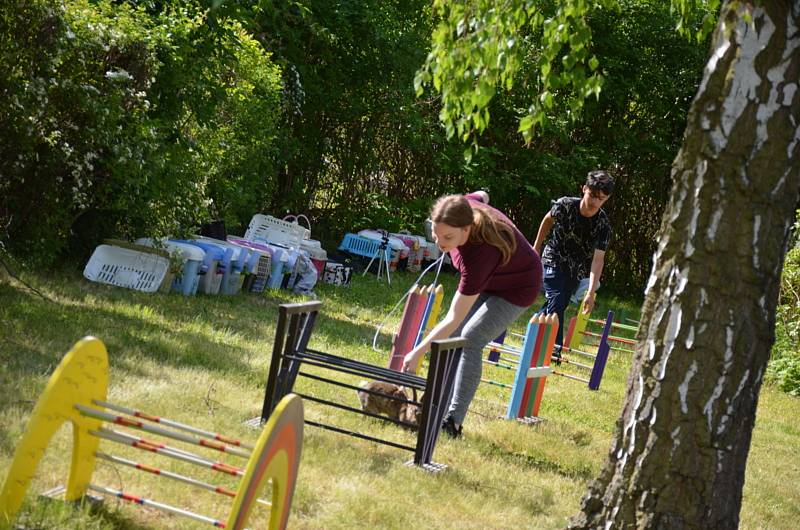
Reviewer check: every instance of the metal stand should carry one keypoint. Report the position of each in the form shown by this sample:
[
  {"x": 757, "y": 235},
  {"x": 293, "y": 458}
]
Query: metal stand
[{"x": 382, "y": 254}]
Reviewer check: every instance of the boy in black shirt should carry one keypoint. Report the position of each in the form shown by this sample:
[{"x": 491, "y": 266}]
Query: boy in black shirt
[{"x": 579, "y": 234}]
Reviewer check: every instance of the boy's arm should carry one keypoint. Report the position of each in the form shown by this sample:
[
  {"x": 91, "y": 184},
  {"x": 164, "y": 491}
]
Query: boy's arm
[
  {"x": 544, "y": 229},
  {"x": 598, "y": 260}
]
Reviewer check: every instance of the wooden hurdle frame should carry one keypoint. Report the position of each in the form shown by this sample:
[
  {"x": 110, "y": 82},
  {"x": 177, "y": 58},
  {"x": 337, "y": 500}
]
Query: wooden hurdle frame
[
  {"x": 290, "y": 352},
  {"x": 76, "y": 393}
]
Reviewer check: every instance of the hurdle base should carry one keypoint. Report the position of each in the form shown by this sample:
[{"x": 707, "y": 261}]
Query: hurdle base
[
  {"x": 531, "y": 420},
  {"x": 253, "y": 423},
  {"x": 57, "y": 494},
  {"x": 433, "y": 467}
]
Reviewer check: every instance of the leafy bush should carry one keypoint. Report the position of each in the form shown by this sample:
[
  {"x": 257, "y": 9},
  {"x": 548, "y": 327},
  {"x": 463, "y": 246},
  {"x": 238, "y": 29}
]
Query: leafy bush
[
  {"x": 784, "y": 368},
  {"x": 123, "y": 122}
]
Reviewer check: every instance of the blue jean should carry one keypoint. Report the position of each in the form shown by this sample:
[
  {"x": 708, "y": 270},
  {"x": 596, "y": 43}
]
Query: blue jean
[
  {"x": 559, "y": 287},
  {"x": 488, "y": 317}
]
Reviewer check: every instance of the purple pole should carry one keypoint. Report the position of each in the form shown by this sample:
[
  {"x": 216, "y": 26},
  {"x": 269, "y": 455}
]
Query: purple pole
[
  {"x": 494, "y": 355},
  {"x": 602, "y": 354}
]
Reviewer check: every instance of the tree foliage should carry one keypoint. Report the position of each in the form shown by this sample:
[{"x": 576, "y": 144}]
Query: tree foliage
[
  {"x": 113, "y": 118},
  {"x": 784, "y": 370},
  {"x": 309, "y": 106}
]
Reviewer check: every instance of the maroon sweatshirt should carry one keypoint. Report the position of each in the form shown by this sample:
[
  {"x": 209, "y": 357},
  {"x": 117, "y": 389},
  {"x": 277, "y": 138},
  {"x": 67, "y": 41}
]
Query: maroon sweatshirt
[{"x": 518, "y": 281}]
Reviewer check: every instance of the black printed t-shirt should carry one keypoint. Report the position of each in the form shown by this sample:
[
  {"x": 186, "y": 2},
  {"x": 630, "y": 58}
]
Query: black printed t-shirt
[{"x": 574, "y": 238}]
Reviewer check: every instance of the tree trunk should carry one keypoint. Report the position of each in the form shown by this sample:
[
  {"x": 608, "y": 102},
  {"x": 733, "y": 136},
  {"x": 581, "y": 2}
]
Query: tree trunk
[{"x": 680, "y": 449}]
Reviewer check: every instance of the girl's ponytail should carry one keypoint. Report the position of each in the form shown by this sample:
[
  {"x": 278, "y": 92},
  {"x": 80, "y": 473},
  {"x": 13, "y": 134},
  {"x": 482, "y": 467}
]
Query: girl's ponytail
[{"x": 456, "y": 211}]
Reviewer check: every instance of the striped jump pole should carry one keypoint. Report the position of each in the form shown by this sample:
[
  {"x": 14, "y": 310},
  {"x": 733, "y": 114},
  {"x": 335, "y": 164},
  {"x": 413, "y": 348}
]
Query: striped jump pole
[
  {"x": 403, "y": 341},
  {"x": 174, "y": 424},
  {"x": 141, "y": 501},
  {"x": 617, "y": 325},
  {"x": 503, "y": 348},
  {"x": 576, "y": 328},
  {"x": 614, "y": 340},
  {"x": 162, "y": 449},
  {"x": 533, "y": 369},
  {"x": 80, "y": 384}
]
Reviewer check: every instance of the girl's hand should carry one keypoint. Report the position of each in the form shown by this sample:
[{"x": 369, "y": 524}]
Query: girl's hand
[{"x": 410, "y": 361}]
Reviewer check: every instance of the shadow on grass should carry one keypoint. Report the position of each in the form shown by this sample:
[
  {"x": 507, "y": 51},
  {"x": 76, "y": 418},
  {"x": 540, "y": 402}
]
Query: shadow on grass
[{"x": 170, "y": 330}]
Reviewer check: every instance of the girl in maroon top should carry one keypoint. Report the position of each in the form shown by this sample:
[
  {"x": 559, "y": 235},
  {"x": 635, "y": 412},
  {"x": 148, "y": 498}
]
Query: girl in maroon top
[{"x": 501, "y": 275}]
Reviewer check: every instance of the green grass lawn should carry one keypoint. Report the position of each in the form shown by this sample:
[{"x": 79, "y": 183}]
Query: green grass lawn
[{"x": 204, "y": 360}]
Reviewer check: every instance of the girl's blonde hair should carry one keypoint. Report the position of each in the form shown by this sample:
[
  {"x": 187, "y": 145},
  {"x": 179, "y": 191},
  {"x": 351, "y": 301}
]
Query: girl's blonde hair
[{"x": 456, "y": 211}]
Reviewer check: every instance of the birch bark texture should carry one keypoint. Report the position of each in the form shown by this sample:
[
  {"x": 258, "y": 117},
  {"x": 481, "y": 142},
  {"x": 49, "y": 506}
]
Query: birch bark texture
[{"x": 680, "y": 448}]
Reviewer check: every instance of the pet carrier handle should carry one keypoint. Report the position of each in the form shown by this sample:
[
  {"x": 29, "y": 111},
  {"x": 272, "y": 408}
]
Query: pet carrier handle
[{"x": 296, "y": 219}]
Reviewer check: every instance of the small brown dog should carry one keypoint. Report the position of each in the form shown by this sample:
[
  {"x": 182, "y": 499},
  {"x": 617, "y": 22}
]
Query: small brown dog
[{"x": 398, "y": 410}]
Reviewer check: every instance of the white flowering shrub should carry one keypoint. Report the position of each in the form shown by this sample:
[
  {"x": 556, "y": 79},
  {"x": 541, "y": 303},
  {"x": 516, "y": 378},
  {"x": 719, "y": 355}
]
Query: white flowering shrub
[{"x": 119, "y": 121}]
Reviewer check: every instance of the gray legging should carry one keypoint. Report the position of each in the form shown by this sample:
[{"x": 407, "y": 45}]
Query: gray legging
[{"x": 488, "y": 318}]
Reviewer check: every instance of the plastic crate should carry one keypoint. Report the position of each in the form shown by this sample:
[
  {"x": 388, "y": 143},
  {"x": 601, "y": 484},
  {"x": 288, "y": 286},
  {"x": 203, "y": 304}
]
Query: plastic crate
[
  {"x": 417, "y": 246},
  {"x": 268, "y": 229},
  {"x": 214, "y": 267},
  {"x": 433, "y": 252},
  {"x": 395, "y": 243},
  {"x": 280, "y": 257},
  {"x": 258, "y": 269},
  {"x": 191, "y": 258},
  {"x": 316, "y": 253},
  {"x": 367, "y": 248},
  {"x": 234, "y": 276},
  {"x": 126, "y": 267}
]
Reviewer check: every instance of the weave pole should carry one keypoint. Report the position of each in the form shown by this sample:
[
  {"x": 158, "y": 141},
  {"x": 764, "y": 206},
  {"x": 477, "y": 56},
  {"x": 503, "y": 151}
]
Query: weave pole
[{"x": 80, "y": 382}]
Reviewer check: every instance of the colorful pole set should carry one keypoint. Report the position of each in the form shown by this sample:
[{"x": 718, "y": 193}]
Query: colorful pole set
[
  {"x": 419, "y": 316},
  {"x": 533, "y": 368},
  {"x": 531, "y": 363},
  {"x": 290, "y": 353},
  {"x": 577, "y": 331},
  {"x": 76, "y": 393}
]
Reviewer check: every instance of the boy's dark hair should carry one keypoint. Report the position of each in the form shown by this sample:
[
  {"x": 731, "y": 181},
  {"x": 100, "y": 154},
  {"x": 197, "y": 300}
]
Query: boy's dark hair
[{"x": 601, "y": 181}]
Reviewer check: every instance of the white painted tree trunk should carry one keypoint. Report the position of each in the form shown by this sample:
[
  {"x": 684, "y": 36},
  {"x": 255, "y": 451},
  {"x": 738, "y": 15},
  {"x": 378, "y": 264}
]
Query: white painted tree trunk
[{"x": 681, "y": 445}]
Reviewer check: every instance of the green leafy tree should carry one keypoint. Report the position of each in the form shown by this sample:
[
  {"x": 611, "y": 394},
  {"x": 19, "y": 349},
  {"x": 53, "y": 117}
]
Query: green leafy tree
[{"x": 128, "y": 119}]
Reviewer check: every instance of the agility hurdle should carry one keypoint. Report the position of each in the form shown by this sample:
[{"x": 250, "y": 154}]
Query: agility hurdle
[
  {"x": 76, "y": 393},
  {"x": 290, "y": 353},
  {"x": 533, "y": 369},
  {"x": 509, "y": 357},
  {"x": 531, "y": 366},
  {"x": 577, "y": 332}
]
